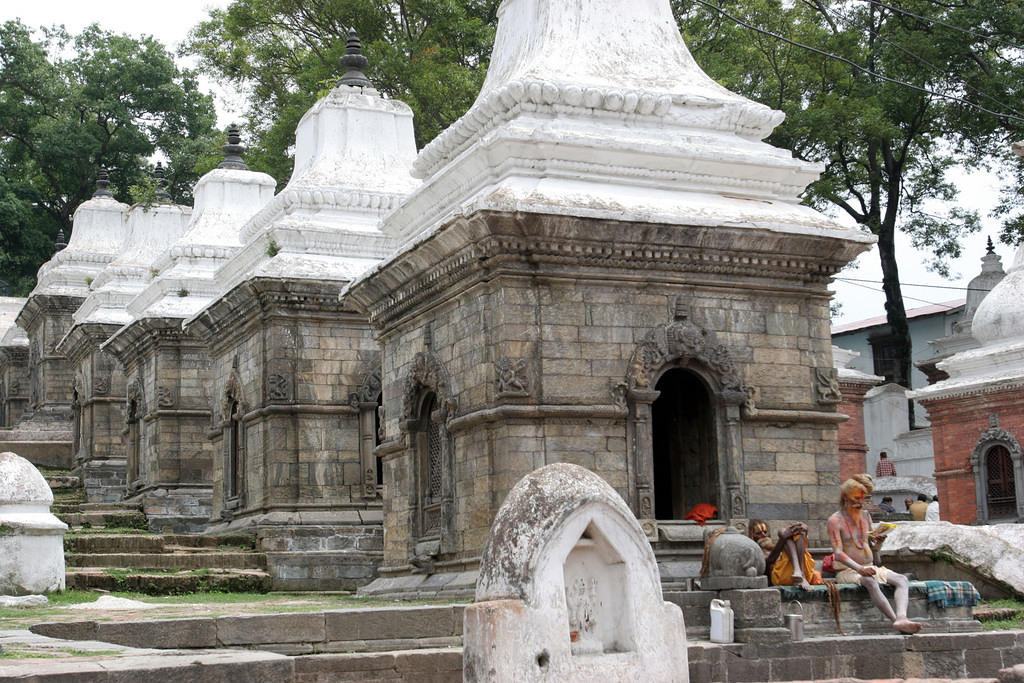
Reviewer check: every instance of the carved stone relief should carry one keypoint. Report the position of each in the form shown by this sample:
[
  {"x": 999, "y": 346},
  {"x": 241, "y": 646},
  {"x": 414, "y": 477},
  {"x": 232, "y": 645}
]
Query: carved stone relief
[
  {"x": 278, "y": 387},
  {"x": 368, "y": 391},
  {"x": 426, "y": 372},
  {"x": 511, "y": 378},
  {"x": 165, "y": 397},
  {"x": 826, "y": 386}
]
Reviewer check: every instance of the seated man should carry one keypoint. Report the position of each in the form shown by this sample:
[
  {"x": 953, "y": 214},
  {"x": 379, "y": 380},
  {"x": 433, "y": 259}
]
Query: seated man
[
  {"x": 853, "y": 542},
  {"x": 886, "y": 505},
  {"x": 794, "y": 566}
]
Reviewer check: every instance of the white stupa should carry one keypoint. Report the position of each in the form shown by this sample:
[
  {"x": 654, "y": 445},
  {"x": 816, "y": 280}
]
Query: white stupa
[
  {"x": 151, "y": 230},
  {"x": 353, "y": 152},
  {"x": 31, "y": 538},
  {"x": 225, "y": 198},
  {"x": 98, "y": 234},
  {"x": 598, "y": 110},
  {"x": 998, "y": 326}
]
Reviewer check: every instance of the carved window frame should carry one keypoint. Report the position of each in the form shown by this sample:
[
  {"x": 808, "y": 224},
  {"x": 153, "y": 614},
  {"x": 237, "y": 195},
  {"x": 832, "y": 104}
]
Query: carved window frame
[
  {"x": 134, "y": 411},
  {"x": 426, "y": 423},
  {"x": 76, "y": 418},
  {"x": 368, "y": 400},
  {"x": 233, "y": 443},
  {"x": 684, "y": 345},
  {"x": 992, "y": 437}
]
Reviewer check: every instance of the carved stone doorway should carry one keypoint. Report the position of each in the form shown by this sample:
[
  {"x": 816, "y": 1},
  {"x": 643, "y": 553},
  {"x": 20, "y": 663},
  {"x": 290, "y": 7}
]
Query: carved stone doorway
[{"x": 684, "y": 446}]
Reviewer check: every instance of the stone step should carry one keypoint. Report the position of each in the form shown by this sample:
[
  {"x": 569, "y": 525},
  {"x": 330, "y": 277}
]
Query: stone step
[
  {"x": 210, "y": 560},
  {"x": 153, "y": 543},
  {"x": 126, "y": 519},
  {"x": 63, "y": 481},
  {"x": 173, "y": 583}
]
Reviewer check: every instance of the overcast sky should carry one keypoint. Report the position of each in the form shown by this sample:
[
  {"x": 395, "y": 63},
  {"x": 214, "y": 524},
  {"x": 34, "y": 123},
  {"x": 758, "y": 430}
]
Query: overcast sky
[{"x": 170, "y": 21}]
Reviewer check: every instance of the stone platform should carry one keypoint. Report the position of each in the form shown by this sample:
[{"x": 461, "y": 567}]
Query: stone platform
[{"x": 250, "y": 654}]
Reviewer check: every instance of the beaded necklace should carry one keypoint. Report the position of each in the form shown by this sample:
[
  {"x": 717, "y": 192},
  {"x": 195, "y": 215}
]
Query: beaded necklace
[{"x": 856, "y": 534}]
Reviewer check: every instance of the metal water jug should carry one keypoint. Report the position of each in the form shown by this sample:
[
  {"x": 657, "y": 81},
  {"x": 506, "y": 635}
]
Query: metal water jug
[{"x": 795, "y": 622}]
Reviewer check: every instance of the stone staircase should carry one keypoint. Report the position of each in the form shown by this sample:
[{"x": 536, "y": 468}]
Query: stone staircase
[
  {"x": 165, "y": 564},
  {"x": 109, "y": 547}
]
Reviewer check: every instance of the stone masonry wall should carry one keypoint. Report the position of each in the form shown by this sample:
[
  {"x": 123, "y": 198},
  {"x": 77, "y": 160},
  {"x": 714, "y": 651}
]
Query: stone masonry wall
[{"x": 575, "y": 337}]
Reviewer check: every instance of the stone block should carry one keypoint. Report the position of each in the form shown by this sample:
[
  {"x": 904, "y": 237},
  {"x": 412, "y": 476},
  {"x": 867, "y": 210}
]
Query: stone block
[
  {"x": 755, "y": 608},
  {"x": 791, "y": 669},
  {"x": 778, "y": 510},
  {"x": 164, "y": 633},
  {"x": 271, "y": 628},
  {"x": 406, "y": 622}
]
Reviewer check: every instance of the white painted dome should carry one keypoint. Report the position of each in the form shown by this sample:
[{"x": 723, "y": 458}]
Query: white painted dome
[
  {"x": 1000, "y": 316},
  {"x": 21, "y": 483}
]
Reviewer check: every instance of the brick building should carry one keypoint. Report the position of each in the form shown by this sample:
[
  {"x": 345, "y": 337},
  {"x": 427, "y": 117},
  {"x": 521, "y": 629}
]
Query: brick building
[{"x": 977, "y": 413}]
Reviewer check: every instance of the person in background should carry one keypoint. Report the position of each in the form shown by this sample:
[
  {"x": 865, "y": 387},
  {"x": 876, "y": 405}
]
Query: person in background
[
  {"x": 885, "y": 468},
  {"x": 932, "y": 513},
  {"x": 908, "y": 502},
  {"x": 919, "y": 508},
  {"x": 886, "y": 504}
]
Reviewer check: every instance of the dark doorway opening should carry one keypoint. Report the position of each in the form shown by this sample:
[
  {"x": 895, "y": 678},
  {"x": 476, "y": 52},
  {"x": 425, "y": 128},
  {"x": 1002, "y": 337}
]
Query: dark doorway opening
[{"x": 685, "y": 452}]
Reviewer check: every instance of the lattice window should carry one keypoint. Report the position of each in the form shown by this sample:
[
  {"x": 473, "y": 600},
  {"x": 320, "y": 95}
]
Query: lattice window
[
  {"x": 435, "y": 466},
  {"x": 233, "y": 477},
  {"x": 1002, "y": 500}
]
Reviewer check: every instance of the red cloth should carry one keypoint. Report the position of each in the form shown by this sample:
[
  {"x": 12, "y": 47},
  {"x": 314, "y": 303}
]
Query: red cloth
[
  {"x": 885, "y": 469},
  {"x": 701, "y": 513}
]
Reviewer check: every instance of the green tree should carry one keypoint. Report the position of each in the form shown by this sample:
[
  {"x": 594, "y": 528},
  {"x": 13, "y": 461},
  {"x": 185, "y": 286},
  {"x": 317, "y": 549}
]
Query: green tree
[
  {"x": 69, "y": 105},
  {"x": 284, "y": 54},
  {"x": 890, "y": 131}
]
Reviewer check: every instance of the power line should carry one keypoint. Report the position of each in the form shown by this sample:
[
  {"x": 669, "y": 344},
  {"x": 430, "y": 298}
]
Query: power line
[
  {"x": 857, "y": 66},
  {"x": 856, "y": 283},
  {"x": 911, "y": 54},
  {"x": 942, "y": 23},
  {"x": 911, "y": 284}
]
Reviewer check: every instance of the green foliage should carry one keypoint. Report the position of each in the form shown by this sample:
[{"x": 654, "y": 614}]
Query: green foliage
[
  {"x": 71, "y": 104},
  {"x": 887, "y": 147},
  {"x": 431, "y": 54},
  {"x": 272, "y": 249}
]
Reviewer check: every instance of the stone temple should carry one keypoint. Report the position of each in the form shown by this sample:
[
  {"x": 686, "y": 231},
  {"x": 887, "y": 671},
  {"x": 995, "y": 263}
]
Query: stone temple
[{"x": 600, "y": 264}]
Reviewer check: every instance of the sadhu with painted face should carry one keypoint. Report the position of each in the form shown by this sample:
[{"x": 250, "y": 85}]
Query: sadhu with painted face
[{"x": 853, "y": 542}]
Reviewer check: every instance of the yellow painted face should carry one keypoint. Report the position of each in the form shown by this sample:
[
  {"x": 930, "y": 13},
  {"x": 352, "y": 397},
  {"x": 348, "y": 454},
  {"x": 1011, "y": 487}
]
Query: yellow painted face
[
  {"x": 856, "y": 499},
  {"x": 760, "y": 531}
]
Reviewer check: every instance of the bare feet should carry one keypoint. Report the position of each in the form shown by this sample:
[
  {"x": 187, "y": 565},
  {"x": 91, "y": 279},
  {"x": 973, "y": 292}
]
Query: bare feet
[
  {"x": 802, "y": 582},
  {"x": 904, "y": 625}
]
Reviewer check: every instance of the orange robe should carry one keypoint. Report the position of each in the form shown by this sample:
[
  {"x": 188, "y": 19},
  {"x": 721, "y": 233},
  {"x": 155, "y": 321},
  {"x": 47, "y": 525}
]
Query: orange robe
[{"x": 782, "y": 570}]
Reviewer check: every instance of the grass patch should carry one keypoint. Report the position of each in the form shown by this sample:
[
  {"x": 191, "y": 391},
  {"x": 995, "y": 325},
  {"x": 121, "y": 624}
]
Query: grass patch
[
  {"x": 1006, "y": 603},
  {"x": 88, "y": 653},
  {"x": 1004, "y": 624},
  {"x": 17, "y": 651}
]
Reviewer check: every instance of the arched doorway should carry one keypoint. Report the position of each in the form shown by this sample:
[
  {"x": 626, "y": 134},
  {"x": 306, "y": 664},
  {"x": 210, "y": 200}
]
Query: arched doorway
[
  {"x": 684, "y": 445},
  {"x": 998, "y": 465}
]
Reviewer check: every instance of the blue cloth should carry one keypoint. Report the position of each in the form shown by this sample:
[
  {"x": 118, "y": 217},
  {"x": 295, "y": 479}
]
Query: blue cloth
[{"x": 952, "y": 593}]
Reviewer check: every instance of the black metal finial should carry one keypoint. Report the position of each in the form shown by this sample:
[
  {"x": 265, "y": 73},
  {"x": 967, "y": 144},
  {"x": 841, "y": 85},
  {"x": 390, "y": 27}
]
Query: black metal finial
[
  {"x": 354, "y": 62},
  {"x": 161, "y": 183},
  {"x": 102, "y": 184},
  {"x": 233, "y": 151},
  {"x": 60, "y": 243},
  {"x": 990, "y": 249}
]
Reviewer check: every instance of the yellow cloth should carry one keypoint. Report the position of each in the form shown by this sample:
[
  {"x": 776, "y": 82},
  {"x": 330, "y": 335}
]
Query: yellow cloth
[
  {"x": 918, "y": 510},
  {"x": 782, "y": 570}
]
